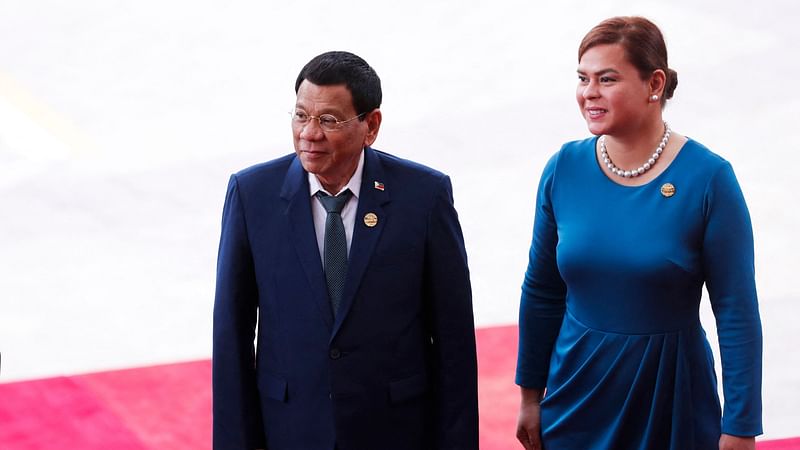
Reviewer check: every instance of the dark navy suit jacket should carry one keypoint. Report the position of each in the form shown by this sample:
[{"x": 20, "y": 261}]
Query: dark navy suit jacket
[{"x": 396, "y": 368}]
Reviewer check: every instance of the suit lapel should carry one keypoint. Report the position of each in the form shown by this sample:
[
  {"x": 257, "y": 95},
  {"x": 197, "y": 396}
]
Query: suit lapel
[
  {"x": 371, "y": 200},
  {"x": 300, "y": 222}
]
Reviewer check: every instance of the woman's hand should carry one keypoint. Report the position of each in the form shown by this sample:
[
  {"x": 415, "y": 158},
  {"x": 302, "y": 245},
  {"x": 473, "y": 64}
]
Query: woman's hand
[
  {"x": 728, "y": 442},
  {"x": 529, "y": 421}
]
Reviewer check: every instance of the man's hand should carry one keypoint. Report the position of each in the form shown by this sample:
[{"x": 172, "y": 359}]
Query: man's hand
[
  {"x": 529, "y": 431},
  {"x": 728, "y": 442}
]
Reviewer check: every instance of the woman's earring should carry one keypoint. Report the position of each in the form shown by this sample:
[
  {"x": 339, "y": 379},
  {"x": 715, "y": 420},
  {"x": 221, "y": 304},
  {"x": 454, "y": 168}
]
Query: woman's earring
[{"x": 654, "y": 98}]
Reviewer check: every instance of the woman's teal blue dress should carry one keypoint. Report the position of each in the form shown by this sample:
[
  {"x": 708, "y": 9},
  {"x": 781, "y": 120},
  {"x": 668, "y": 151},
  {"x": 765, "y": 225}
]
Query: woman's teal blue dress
[{"x": 609, "y": 315}]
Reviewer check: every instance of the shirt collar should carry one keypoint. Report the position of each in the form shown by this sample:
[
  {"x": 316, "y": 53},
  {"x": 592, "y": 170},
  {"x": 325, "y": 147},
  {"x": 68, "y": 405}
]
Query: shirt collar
[{"x": 354, "y": 184}]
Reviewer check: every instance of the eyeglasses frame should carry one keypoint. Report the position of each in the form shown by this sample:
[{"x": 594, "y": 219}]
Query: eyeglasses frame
[{"x": 339, "y": 123}]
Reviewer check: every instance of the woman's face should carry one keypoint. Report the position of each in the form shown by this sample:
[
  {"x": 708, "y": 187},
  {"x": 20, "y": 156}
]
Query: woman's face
[{"x": 611, "y": 95}]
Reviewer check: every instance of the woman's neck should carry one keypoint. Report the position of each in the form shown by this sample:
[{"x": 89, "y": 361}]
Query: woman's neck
[{"x": 630, "y": 150}]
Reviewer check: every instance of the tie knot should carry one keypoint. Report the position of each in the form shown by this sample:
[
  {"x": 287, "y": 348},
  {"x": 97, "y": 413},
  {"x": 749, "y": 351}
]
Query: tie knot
[{"x": 333, "y": 204}]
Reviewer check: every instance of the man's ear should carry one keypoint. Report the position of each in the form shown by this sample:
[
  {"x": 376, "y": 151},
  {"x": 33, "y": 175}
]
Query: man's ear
[{"x": 373, "y": 120}]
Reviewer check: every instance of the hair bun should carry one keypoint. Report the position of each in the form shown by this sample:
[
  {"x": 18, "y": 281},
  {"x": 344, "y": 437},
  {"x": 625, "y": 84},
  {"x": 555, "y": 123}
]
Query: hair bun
[{"x": 671, "y": 83}]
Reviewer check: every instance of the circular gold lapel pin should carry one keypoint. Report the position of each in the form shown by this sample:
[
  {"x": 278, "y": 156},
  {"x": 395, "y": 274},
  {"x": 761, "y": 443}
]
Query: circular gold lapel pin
[
  {"x": 667, "y": 190},
  {"x": 370, "y": 219}
]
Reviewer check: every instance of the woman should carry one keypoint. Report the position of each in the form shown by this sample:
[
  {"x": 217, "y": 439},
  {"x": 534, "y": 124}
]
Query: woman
[{"x": 629, "y": 226}]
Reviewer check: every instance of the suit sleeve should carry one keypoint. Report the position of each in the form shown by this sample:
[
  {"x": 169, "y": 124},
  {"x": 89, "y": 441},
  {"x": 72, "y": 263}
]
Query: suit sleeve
[
  {"x": 236, "y": 409},
  {"x": 449, "y": 296},
  {"x": 543, "y": 300},
  {"x": 730, "y": 280}
]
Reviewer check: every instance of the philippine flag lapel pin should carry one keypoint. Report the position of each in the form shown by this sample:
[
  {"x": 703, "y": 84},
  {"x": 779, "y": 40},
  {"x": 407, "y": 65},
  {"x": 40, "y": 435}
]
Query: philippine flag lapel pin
[{"x": 379, "y": 186}]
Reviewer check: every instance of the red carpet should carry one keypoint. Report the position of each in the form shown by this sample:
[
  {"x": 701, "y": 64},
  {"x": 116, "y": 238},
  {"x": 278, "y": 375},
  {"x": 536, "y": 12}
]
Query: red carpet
[{"x": 169, "y": 406}]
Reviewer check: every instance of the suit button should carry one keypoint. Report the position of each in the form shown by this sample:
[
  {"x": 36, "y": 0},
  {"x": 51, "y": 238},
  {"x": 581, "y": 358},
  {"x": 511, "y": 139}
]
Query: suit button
[{"x": 335, "y": 353}]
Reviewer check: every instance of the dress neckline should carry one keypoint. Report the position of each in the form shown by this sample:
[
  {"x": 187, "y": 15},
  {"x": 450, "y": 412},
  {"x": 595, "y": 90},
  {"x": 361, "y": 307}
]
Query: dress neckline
[{"x": 600, "y": 170}]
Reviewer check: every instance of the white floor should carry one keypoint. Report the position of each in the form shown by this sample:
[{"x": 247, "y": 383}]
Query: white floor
[{"x": 121, "y": 121}]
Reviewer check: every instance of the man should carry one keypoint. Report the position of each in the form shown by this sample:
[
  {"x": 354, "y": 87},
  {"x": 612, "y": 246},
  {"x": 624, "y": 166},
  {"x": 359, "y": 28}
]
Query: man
[{"x": 351, "y": 263}]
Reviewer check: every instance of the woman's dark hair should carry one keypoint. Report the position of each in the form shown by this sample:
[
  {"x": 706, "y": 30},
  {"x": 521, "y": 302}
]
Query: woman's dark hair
[
  {"x": 345, "y": 68},
  {"x": 643, "y": 43}
]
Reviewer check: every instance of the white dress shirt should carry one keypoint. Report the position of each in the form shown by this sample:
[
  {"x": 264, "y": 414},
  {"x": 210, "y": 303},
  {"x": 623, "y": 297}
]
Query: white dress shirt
[{"x": 348, "y": 212}]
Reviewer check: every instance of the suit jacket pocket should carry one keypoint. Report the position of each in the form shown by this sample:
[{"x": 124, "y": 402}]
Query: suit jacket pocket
[
  {"x": 407, "y": 388},
  {"x": 272, "y": 386}
]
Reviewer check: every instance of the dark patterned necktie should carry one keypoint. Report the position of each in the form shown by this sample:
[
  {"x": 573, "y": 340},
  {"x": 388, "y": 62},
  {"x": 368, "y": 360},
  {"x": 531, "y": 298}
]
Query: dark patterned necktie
[{"x": 335, "y": 249}]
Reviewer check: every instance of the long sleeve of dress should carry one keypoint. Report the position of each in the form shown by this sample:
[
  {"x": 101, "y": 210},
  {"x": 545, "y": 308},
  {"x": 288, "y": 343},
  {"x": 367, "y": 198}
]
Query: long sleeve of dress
[
  {"x": 730, "y": 280},
  {"x": 542, "y": 304}
]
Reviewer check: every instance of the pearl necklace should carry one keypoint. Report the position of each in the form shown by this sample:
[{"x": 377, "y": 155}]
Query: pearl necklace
[{"x": 644, "y": 167}]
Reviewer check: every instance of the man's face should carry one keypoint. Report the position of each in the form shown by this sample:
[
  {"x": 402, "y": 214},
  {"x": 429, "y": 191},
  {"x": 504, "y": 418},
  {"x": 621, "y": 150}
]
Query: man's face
[{"x": 331, "y": 155}]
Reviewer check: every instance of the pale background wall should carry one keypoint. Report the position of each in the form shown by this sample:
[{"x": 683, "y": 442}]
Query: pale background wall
[{"x": 121, "y": 121}]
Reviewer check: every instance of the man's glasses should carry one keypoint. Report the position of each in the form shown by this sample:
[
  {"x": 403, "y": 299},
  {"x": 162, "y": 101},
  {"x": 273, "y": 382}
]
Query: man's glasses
[{"x": 327, "y": 122}]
